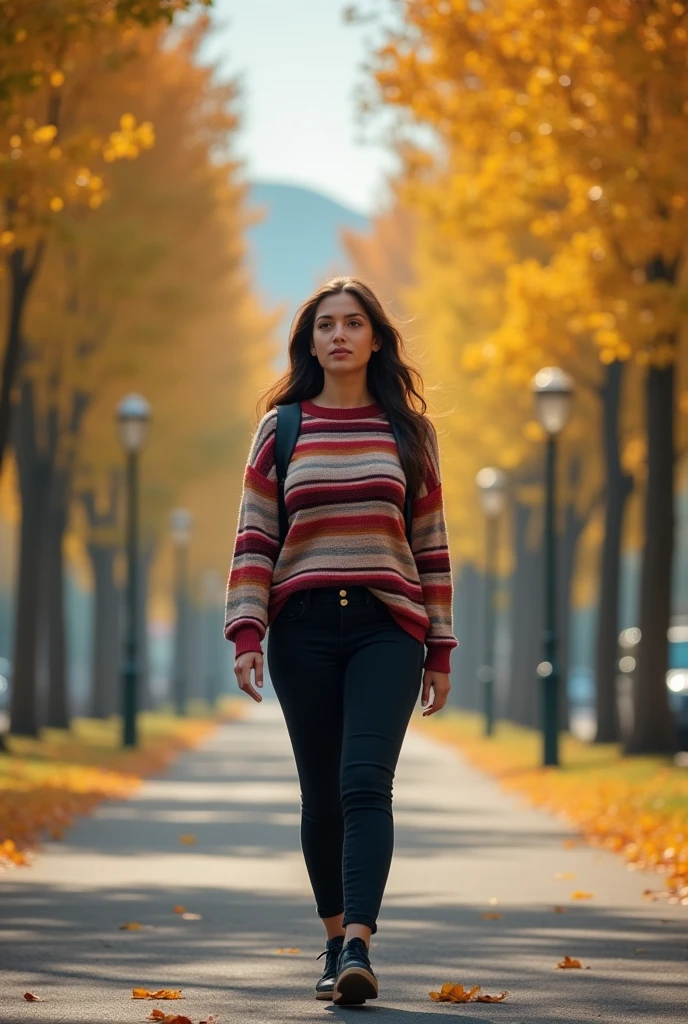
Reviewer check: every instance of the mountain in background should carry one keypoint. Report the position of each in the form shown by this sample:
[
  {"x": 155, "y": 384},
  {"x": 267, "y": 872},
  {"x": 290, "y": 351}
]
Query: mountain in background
[{"x": 296, "y": 246}]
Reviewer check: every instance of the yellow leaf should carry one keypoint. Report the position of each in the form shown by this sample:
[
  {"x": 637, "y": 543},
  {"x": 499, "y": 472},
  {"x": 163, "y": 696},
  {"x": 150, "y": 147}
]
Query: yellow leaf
[
  {"x": 161, "y": 993},
  {"x": 187, "y": 839},
  {"x": 131, "y": 926},
  {"x": 569, "y": 961},
  {"x": 492, "y": 917},
  {"x": 179, "y": 909},
  {"x": 580, "y": 895},
  {"x": 56, "y": 204},
  {"x": 45, "y": 134},
  {"x": 291, "y": 949},
  {"x": 57, "y": 79},
  {"x": 127, "y": 122}
]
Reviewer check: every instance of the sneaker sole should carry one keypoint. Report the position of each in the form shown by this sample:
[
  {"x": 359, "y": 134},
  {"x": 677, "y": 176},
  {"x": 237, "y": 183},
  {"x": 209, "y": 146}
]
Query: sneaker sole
[
  {"x": 354, "y": 986},
  {"x": 323, "y": 995}
]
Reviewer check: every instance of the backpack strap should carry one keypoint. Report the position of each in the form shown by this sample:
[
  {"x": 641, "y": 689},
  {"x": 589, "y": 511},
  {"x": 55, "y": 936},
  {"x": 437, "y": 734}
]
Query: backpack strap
[
  {"x": 408, "y": 500},
  {"x": 287, "y": 431}
]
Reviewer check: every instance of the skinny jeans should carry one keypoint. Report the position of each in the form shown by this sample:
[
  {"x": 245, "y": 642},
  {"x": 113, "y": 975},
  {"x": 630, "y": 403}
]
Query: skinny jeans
[{"x": 347, "y": 677}]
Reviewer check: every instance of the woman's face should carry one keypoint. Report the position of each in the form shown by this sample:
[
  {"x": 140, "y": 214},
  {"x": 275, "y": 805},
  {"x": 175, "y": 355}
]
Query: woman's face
[{"x": 341, "y": 323}]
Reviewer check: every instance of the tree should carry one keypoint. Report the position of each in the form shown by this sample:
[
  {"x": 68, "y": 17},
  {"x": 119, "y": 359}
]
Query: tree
[{"x": 559, "y": 111}]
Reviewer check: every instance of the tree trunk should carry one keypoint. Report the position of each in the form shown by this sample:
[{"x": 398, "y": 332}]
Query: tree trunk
[
  {"x": 20, "y": 279},
  {"x": 106, "y": 658},
  {"x": 527, "y": 607},
  {"x": 58, "y": 696},
  {"x": 567, "y": 543},
  {"x": 145, "y": 701},
  {"x": 618, "y": 490},
  {"x": 35, "y": 470},
  {"x": 469, "y": 631},
  {"x": 653, "y": 728}
]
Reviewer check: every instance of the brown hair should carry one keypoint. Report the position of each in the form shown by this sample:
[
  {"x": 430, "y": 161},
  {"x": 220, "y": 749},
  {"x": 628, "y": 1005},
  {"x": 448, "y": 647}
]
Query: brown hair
[{"x": 395, "y": 385}]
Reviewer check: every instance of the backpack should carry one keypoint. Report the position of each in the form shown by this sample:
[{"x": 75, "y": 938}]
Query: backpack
[{"x": 287, "y": 431}]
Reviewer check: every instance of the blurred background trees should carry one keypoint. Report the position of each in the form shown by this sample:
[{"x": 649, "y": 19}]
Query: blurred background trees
[{"x": 538, "y": 217}]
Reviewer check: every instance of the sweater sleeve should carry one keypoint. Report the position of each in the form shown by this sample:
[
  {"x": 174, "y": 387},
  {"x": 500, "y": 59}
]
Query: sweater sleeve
[
  {"x": 256, "y": 548},
  {"x": 430, "y": 550}
]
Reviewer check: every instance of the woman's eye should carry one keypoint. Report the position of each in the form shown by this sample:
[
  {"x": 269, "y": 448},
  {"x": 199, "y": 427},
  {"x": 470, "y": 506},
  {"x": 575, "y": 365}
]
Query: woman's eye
[{"x": 354, "y": 323}]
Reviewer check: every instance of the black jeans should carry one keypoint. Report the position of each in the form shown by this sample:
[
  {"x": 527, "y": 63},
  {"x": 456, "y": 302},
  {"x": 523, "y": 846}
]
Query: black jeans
[{"x": 347, "y": 678}]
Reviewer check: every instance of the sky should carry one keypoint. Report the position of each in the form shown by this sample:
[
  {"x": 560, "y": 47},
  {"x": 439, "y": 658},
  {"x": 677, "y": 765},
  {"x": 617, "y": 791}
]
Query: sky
[{"x": 299, "y": 66}]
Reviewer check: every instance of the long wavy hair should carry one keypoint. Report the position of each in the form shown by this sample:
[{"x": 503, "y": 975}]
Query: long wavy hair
[{"x": 392, "y": 382}]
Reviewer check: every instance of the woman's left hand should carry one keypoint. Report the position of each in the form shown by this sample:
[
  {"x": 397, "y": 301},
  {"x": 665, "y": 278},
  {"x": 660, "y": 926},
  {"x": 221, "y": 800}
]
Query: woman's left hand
[{"x": 439, "y": 683}]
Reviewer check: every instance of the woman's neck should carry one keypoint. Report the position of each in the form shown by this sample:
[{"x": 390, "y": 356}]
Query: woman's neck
[{"x": 344, "y": 395}]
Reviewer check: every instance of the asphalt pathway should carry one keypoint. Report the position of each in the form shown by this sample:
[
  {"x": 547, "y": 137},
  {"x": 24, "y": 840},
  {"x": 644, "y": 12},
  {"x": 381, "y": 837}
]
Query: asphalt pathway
[{"x": 460, "y": 844}]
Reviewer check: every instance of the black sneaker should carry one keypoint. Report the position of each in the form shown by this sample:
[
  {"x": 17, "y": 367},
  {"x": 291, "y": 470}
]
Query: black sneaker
[
  {"x": 355, "y": 979},
  {"x": 325, "y": 986}
]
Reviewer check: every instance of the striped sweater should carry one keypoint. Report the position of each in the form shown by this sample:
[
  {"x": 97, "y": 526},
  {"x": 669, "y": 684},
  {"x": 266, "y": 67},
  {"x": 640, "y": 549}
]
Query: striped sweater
[{"x": 344, "y": 494}]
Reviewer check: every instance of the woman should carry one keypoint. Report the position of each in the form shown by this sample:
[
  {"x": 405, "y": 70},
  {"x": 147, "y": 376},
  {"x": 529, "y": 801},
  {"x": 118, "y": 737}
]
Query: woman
[{"x": 349, "y": 602}]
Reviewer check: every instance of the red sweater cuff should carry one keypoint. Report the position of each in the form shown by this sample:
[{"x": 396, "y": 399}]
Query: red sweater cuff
[
  {"x": 438, "y": 659},
  {"x": 247, "y": 638}
]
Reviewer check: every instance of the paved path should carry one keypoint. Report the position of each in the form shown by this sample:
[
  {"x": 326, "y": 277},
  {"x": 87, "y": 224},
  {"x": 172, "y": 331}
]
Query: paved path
[{"x": 460, "y": 841}]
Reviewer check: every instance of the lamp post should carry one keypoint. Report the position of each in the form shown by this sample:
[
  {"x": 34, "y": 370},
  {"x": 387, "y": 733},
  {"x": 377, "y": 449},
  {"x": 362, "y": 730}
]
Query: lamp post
[
  {"x": 491, "y": 487},
  {"x": 180, "y": 528},
  {"x": 553, "y": 391},
  {"x": 133, "y": 419}
]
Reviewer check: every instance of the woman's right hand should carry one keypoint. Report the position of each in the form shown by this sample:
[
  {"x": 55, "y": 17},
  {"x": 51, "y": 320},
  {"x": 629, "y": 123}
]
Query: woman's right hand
[{"x": 242, "y": 670}]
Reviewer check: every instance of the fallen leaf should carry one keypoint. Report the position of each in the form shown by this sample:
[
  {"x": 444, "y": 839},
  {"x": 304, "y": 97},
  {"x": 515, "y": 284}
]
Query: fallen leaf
[
  {"x": 161, "y": 993},
  {"x": 563, "y": 874},
  {"x": 131, "y": 926},
  {"x": 186, "y": 839},
  {"x": 559, "y": 910},
  {"x": 291, "y": 949},
  {"x": 578, "y": 894},
  {"x": 179, "y": 909},
  {"x": 639, "y": 951},
  {"x": 188, "y": 916},
  {"x": 31, "y": 998},
  {"x": 168, "y": 1018},
  {"x": 450, "y": 993},
  {"x": 492, "y": 917},
  {"x": 569, "y": 961}
]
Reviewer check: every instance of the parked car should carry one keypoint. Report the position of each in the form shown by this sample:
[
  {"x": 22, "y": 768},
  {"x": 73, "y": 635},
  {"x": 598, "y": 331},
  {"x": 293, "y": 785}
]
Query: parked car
[
  {"x": 676, "y": 677},
  {"x": 5, "y": 676}
]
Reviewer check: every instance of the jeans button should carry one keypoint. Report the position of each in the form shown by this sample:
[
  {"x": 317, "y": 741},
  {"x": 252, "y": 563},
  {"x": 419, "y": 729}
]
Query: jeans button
[
  {"x": 344, "y": 602},
  {"x": 342, "y": 593}
]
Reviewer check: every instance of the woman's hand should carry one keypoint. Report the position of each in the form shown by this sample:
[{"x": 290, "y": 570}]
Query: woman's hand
[
  {"x": 242, "y": 670},
  {"x": 439, "y": 683}
]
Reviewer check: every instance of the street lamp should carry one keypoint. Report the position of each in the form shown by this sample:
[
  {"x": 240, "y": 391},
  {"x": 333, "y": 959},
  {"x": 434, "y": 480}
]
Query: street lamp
[
  {"x": 180, "y": 528},
  {"x": 133, "y": 420},
  {"x": 491, "y": 489},
  {"x": 553, "y": 391}
]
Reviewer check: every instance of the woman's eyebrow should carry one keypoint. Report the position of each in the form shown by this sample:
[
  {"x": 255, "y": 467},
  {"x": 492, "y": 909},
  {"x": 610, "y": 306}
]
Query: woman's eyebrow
[{"x": 347, "y": 316}]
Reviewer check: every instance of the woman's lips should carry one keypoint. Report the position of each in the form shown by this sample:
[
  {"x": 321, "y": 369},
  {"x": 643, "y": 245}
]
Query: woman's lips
[{"x": 341, "y": 352}]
